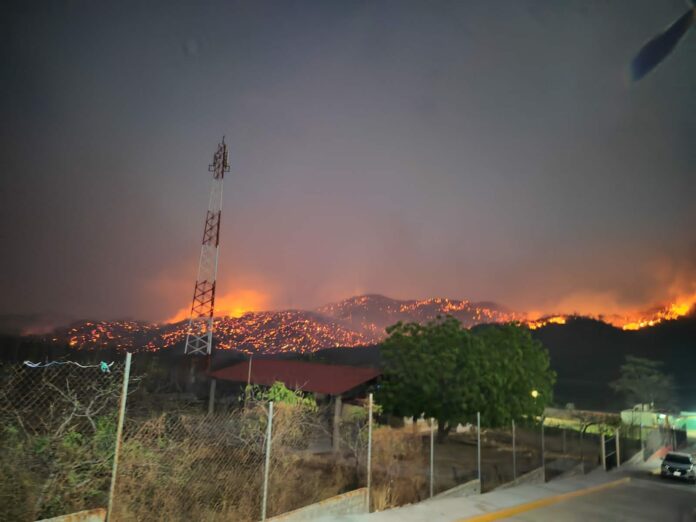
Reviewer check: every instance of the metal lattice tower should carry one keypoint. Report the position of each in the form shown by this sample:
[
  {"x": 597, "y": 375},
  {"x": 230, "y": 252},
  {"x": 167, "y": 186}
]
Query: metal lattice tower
[{"x": 199, "y": 335}]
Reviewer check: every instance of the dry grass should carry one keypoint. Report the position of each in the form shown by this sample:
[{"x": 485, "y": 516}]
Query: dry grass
[
  {"x": 211, "y": 468},
  {"x": 399, "y": 467}
]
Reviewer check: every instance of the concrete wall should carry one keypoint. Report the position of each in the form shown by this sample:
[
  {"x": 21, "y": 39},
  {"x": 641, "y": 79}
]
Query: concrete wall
[
  {"x": 473, "y": 487},
  {"x": 351, "y": 503},
  {"x": 536, "y": 476},
  {"x": 91, "y": 515}
]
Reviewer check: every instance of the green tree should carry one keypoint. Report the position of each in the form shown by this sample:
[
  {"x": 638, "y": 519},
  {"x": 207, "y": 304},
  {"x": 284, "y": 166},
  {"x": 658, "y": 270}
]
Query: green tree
[
  {"x": 444, "y": 371},
  {"x": 642, "y": 381},
  {"x": 281, "y": 394},
  {"x": 517, "y": 379}
]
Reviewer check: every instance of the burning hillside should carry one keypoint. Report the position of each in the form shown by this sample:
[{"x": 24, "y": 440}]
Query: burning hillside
[
  {"x": 373, "y": 313},
  {"x": 266, "y": 332},
  {"x": 356, "y": 321}
]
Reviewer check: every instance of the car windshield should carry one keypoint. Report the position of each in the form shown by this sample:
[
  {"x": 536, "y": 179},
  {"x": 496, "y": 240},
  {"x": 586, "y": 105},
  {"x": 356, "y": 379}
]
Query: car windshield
[{"x": 678, "y": 459}]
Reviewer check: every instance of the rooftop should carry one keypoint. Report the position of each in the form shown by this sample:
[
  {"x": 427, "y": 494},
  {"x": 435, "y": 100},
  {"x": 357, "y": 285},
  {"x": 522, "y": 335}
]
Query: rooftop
[{"x": 331, "y": 379}]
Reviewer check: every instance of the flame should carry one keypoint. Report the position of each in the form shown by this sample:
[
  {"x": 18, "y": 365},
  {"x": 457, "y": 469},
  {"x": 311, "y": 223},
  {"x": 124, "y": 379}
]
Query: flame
[
  {"x": 554, "y": 319},
  {"x": 626, "y": 320},
  {"x": 670, "y": 312},
  {"x": 298, "y": 331},
  {"x": 232, "y": 304}
]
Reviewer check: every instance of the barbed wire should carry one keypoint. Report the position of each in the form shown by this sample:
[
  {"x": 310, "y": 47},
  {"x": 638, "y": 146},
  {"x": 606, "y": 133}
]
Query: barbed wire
[{"x": 103, "y": 365}]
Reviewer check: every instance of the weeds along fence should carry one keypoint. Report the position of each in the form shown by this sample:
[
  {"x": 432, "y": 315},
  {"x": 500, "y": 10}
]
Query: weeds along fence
[
  {"x": 57, "y": 438},
  {"x": 184, "y": 464},
  {"x": 399, "y": 466}
]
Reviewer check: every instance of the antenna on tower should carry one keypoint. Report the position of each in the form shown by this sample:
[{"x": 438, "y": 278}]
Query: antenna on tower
[{"x": 199, "y": 334}]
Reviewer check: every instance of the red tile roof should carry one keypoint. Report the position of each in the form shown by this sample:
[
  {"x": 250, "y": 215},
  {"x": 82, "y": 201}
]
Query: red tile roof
[{"x": 310, "y": 377}]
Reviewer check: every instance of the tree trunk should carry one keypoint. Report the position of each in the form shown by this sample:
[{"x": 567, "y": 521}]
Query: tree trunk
[{"x": 443, "y": 429}]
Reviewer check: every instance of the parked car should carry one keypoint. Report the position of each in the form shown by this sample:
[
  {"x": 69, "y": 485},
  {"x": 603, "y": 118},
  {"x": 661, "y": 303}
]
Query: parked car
[{"x": 678, "y": 465}]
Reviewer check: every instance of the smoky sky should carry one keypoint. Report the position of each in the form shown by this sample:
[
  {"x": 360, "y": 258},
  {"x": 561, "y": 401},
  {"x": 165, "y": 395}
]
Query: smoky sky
[{"x": 469, "y": 149}]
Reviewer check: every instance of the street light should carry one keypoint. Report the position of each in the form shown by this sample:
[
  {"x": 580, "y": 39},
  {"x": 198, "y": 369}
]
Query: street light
[
  {"x": 534, "y": 394},
  {"x": 582, "y": 454}
]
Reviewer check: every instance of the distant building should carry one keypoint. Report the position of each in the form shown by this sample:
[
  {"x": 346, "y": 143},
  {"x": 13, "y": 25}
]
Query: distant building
[{"x": 336, "y": 382}]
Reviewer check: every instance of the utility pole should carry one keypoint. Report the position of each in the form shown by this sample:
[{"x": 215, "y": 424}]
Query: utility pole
[
  {"x": 478, "y": 448},
  {"x": 369, "y": 454},
  {"x": 514, "y": 452},
  {"x": 432, "y": 456},
  {"x": 199, "y": 334}
]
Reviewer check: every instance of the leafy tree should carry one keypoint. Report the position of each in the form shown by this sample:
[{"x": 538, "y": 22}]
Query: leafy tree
[
  {"x": 642, "y": 381},
  {"x": 444, "y": 371},
  {"x": 516, "y": 378}
]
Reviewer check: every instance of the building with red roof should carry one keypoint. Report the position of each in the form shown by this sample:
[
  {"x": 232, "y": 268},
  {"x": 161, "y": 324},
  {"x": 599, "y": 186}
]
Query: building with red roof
[
  {"x": 328, "y": 379},
  {"x": 333, "y": 380}
]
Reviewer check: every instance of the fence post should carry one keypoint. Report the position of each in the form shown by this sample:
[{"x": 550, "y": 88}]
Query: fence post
[
  {"x": 369, "y": 451},
  {"x": 119, "y": 433},
  {"x": 603, "y": 452},
  {"x": 563, "y": 431},
  {"x": 642, "y": 448},
  {"x": 618, "y": 447},
  {"x": 582, "y": 450},
  {"x": 478, "y": 448},
  {"x": 211, "y": 397},
  {"x": 269, "y": 432},
  {"x": 543, "y": 450},
  {"x": 432, "y": 453},
  {"x": 514, "y": 453}
]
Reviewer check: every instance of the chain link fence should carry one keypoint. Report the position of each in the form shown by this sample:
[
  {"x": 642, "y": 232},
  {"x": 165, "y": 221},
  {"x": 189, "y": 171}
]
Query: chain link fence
[
  {"x": 186, "y": 465},
  {"x": 57, "y": 437},
  {"x": 177, "y": 461},
  {"x": 399, "y": 466}
]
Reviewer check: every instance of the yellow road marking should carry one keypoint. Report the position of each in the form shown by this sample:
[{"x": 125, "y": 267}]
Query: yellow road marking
[{"x": 543, "y": 502}]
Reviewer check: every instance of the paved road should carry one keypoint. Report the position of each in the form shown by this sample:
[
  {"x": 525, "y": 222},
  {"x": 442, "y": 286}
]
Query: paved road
[
  {"x": 632, "y": 493},
  {"x": 645, "y": 498}
]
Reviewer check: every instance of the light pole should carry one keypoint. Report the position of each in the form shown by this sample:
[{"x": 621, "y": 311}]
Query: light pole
[{"x": 582, "y": 455}]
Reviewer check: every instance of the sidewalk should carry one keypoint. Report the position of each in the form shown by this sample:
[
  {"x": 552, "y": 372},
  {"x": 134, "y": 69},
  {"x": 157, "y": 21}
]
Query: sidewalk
[{"x": 518, "y": 498}]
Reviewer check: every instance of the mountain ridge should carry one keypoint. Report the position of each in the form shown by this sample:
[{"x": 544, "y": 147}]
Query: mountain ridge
[{"x": 355, "y": 321}]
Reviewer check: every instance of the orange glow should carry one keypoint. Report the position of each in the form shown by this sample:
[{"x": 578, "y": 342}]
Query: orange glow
[
  {"x": 232, "y": 304},
  {"x": 538, "y": 323},
  {"x": 240, "y": 323},
  {"x": 670, "y": 312}
]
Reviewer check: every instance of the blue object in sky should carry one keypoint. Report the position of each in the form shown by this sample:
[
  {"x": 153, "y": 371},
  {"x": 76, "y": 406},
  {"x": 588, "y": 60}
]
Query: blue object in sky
[{"x": 657, "y": 49}]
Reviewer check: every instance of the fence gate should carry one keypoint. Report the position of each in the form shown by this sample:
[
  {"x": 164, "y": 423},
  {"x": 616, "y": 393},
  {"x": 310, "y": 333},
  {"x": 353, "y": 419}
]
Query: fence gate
[{"x": 609, "y": 446}]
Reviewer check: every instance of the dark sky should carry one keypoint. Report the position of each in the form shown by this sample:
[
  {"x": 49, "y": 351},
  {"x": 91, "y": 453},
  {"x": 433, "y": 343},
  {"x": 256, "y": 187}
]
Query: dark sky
[{"x": 469, "y": 149}]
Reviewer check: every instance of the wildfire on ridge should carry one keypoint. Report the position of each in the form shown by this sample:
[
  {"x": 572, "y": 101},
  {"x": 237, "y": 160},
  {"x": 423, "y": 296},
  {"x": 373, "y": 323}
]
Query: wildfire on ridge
[
  {"x": 538, "y": 323},
  {"x": 354, "y": 322},
  {"x": 232, "y": 304},
  {"x": 668, "y": 313},
  {"x": 635, "y": 321}
]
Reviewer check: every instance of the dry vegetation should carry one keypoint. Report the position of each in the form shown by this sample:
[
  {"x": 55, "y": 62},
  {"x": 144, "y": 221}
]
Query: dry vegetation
[
  {"x": 57, "y": 440},
  {"x": 195, "y": 467},
  {"x": 399, "y": 464}
]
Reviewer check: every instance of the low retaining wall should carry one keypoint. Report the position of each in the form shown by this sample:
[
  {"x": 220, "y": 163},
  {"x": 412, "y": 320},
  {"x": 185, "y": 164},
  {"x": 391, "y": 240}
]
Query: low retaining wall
[
  {"x": 473, "y": 487},
  {"x": 91, "y": 515},
  {"x": 351, "y": 503},
  {"x": 536, "y": 476}
]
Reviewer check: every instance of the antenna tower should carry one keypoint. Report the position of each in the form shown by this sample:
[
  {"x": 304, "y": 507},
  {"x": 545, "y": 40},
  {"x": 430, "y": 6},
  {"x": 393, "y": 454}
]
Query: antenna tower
[{"x": 199, "y": 335}]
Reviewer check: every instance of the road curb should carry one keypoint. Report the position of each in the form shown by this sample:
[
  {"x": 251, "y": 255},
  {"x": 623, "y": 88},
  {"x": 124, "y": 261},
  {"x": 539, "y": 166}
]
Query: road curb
[{"x": 543, "y": 502}]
